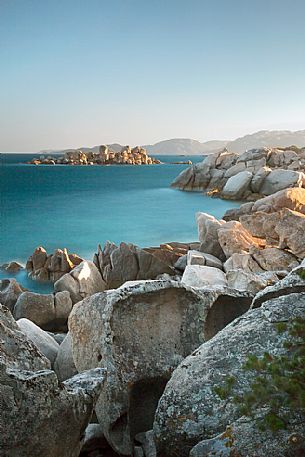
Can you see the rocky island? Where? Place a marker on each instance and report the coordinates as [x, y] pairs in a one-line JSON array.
[[105, 156], [126, 355]]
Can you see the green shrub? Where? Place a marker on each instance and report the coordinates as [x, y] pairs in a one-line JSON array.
[[278, 387]]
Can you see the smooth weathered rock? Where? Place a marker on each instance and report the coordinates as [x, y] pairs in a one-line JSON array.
[[293, 199], [181, 263], [291, 232], [140, 333], [202, 258], [38, 416], [58, 337], [290, 284], [147, 442], [237, 186], [244, 262], [47, 420], [259, 178], [95, 442], [208, 234], [16, 349], [234, 238], [128, 262], [200, 276], [251, 282], [38, 308], [44, 342], [84, 280], [189, 410], [262, 225], [62, 305], [64, 365], [281, 179], [10, 290], [242, 438], [48, 311], [273, 259]]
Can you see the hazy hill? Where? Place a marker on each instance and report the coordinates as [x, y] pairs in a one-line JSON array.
[[186, 146], [272, 138]]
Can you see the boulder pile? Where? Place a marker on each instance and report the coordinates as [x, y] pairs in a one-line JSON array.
[[105, 156], [251, 175]]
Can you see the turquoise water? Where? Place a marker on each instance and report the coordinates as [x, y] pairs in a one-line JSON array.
[[78, 207]]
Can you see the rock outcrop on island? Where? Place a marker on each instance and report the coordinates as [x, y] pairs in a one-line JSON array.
[[44, 267], [38, 415], [190, 411], [251, 175], [105, 156]]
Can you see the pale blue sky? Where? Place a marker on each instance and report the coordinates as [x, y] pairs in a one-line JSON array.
[[86, 72]]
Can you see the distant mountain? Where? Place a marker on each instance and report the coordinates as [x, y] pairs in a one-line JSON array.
[[274, 138], [186, 146]]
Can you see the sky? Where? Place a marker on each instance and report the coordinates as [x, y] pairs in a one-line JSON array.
[[84, 72]]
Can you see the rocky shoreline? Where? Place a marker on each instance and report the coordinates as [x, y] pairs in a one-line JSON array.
[[123, 358], [248, 176], [105, 156]]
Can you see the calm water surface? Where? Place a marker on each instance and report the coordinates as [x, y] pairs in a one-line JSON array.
[[78, 207]]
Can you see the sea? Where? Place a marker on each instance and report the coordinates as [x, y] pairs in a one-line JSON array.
[[79, 207]]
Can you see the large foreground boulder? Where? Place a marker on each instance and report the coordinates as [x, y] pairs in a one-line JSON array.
[[190, 410], [140, 333], [83, 281], [38, 416]]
